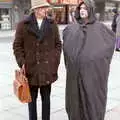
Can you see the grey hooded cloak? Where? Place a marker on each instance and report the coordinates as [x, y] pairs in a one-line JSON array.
[[88, 50]]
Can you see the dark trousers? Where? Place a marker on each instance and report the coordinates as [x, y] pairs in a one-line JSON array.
[[45, 97]]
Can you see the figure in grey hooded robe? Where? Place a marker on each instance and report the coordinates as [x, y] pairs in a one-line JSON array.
[[88, 50]]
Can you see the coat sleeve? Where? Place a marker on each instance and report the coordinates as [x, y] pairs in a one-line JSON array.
[[18, 45], [58, 44]]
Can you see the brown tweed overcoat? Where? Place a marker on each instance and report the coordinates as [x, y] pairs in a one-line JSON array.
[[38, 49]]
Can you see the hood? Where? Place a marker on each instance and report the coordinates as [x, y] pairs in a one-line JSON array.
[[91, 11]]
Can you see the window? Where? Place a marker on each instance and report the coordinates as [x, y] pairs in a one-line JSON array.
[[4, 19], [59, 12]]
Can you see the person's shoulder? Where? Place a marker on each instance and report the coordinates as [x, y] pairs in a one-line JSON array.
[[105, 29], [26, 20], [71, 26], [67, 28], [21, 26], [50, 20], [21, 23], [53, 24], [99, 24]]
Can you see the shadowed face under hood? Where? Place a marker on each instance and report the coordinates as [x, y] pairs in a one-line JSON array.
[[91, 11]]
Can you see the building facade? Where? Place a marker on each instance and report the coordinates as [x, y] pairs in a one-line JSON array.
[[109, 6], [11, 12], [63, 10], [6, 14], [20, 10]]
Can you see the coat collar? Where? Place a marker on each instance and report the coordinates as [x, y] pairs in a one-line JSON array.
[[32, 26], [32, 18]]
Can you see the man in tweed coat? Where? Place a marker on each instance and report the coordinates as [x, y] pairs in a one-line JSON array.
[[37, 48]]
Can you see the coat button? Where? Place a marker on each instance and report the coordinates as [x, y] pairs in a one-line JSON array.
[[46, 62], [37, 44], [48, 82], [37, 53], [38, 62]]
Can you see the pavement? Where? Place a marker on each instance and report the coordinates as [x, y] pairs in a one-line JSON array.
[[8, 33], [11, 108]]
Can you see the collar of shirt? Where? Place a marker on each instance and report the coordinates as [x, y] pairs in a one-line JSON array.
[[39, 21]]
